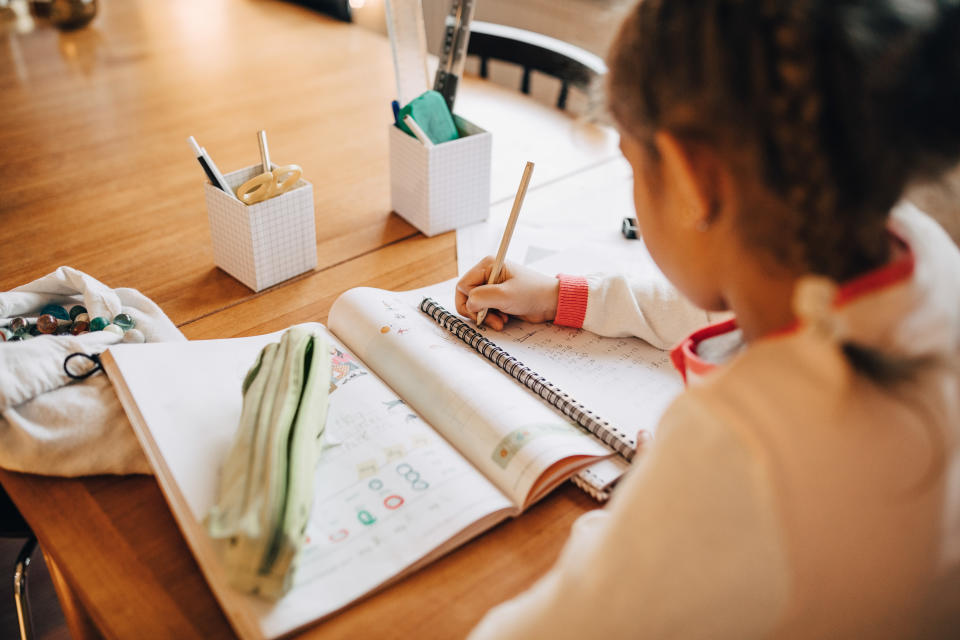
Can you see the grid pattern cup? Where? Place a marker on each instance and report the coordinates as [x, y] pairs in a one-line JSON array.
[[444, 187], [264, 243]]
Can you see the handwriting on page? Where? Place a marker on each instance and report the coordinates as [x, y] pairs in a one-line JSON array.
[[459, 393], [625, 380]]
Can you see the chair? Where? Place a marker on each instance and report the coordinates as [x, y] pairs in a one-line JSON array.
[[339, 9], [570, 64], [12, 525]]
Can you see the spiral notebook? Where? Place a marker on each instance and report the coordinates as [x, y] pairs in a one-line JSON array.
[[612, 436], [597, 480], [575, 372]]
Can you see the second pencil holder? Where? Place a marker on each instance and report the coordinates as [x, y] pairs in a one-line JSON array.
[[264, 243], [443, 187]]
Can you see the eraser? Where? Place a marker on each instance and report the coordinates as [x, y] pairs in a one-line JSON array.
[[430, 111]]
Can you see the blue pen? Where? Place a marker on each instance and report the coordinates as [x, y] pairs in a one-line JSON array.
[[396, 112]]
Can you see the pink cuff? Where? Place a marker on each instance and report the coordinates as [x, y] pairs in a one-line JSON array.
[[572, 301]]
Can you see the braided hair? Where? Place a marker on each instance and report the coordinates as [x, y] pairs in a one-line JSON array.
[[839, 104]]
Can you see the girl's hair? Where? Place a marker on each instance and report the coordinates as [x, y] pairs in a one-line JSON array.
[[840, 104], [837, 104]]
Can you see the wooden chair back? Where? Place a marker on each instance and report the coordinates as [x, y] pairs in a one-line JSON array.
[[573, 66]]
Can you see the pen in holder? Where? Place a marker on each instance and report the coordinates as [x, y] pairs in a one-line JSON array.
[[263, 243], [444, 186]]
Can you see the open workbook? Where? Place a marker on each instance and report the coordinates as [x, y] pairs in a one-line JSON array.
[[428, 444]]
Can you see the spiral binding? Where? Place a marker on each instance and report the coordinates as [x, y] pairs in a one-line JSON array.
[[608, 434], [597, 494]]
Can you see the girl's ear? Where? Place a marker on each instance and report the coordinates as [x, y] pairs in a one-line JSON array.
[[695, 172]]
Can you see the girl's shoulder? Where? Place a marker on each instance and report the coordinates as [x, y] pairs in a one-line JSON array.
[[910, 309]]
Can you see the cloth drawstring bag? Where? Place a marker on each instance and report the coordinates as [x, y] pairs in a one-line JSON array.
[[52, 424]]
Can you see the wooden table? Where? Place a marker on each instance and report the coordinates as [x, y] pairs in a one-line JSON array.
[[95, 173]]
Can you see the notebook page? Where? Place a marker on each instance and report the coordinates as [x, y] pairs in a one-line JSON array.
[[507, 433], [625, 380], [641, 381], [388, 489]]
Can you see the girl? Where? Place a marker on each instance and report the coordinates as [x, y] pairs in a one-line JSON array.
[[807, 483]]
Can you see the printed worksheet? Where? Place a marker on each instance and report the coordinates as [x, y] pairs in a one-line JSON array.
[[625, 381], [509, 434], [388, 492], [427, 443]]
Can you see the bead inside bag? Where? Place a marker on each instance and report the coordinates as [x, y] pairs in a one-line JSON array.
[[54, 319], [55, 310], [124, 321]]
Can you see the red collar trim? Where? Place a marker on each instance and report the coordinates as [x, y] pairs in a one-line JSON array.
[[690, 365], [684, 355], [890, 274]]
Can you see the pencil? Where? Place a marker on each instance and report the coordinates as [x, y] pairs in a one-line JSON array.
[[419, 133], [264, 151], [508, 234]]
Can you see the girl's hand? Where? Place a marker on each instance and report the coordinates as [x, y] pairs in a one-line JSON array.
[[522, 292]]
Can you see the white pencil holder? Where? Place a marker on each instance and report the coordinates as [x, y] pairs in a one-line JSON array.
[[443, 187], [264, 243]]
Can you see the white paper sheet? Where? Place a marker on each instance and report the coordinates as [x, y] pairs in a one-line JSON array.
[[582, 210], [388, 494], [478, 409]]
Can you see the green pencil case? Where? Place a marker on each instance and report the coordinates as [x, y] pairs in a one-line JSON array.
[[266, 486]]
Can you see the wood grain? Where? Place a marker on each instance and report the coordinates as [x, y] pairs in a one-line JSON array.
[[78, 621], [114, 535], [119, 547], [95, 173]]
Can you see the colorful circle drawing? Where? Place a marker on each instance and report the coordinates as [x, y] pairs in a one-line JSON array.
[[385, 329], [392, 502], [365, 517], [412, 476], [376, 484], [337, 536]]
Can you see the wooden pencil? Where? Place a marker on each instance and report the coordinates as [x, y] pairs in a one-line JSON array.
[[508, 233]]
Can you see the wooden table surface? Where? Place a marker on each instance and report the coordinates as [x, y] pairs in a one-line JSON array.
[[95, 173]]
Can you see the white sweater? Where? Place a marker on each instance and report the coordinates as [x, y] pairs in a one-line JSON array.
[[784, 495]]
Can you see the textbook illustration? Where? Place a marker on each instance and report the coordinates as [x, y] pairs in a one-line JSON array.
[[429, 443]]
